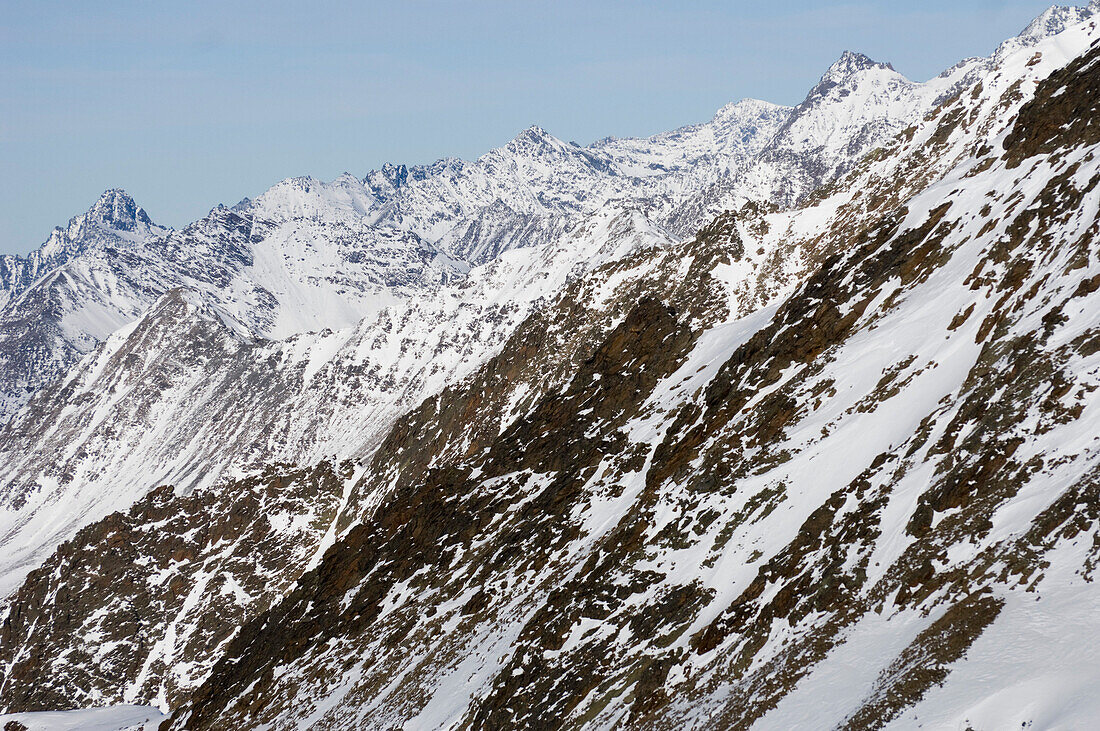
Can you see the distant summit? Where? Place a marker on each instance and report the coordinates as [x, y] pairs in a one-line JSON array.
[[116, 209], [851, 62], [845, 70]]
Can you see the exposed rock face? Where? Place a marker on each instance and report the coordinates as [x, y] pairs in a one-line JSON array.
[[186, 396], [136, 608], [1063, 109], [701, 526], [830, 465]]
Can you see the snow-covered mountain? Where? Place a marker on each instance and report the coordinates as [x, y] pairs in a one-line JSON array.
[[874, 504], [299, 258], [782, 419], [531, 189], [49, 318], [304, 278], [114, 218], [185, 396], [381, 230]]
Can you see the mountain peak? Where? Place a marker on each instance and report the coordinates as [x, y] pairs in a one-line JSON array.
[[850, 63], [1054, 20], [534, 135], [116, 209], [849, 66], [746, 107]]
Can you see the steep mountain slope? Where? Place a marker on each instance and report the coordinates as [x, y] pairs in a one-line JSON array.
[[301, 257], [562, 345], [826, 465], [226, 555], [185, 396], [841, 512], [309, 257], [42, 333]]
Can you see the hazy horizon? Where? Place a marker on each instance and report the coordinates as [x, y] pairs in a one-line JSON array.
[[188, 107]]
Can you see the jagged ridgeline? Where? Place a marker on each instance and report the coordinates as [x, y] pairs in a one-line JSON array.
[[300, 325], [830, 461]]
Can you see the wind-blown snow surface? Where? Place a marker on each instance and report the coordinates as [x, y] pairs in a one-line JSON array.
[[719, 520], [867, 506], [182, 397], [114, 718]]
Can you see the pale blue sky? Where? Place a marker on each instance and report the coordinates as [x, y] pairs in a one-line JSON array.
[[190, 104]]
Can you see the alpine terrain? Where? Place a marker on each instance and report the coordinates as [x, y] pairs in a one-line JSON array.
[[788, 419]]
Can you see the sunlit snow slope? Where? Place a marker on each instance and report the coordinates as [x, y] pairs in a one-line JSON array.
[[784, 420]]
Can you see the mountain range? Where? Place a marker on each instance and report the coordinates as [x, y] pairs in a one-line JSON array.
[[787, 419]]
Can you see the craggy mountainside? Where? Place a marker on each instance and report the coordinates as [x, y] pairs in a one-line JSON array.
[[133, 585], [542, 353], [181, 396], [833, 465], [876, 503], [300, 325], [308, 255]]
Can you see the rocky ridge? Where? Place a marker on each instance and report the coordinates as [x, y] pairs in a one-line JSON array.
[[702, 528], [615, 518], [182, 397], [302, 264]]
